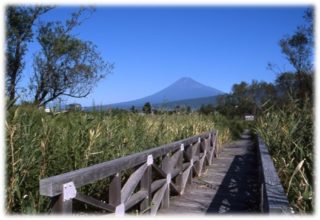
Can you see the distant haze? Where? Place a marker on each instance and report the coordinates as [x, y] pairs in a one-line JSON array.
[[183, 89]]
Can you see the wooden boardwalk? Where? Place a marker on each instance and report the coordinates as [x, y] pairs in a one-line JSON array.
[[189, 176], [230, 184]]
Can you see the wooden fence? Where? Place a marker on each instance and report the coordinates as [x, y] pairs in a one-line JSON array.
[[272, 196], [154, 176]]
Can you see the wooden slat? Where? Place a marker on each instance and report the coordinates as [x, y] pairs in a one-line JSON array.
[[195, 151], [135, 199], [157, 184], [115, 191], [190, 155], [183, 179], [94, 202], [159, 171], [201, 162], [185, 166], [132, 182], [174, 189], [52, 186], [157, 198], [165, 162], [172, 162], [274, 199], [60, 206], [166, 197], [146, 186]]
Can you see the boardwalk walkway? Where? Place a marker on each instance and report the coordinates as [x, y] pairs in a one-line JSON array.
[[230, 184]]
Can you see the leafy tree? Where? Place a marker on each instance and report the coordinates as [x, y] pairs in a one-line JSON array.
[[188, 110], [246, 98], [19, 23], [286, 83], [66, 65], [206, 109], [298, 49], [133, 109], [147, 108], [74, 107]]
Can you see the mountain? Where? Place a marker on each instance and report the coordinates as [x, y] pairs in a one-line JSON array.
[[183, 89], [193, 103]]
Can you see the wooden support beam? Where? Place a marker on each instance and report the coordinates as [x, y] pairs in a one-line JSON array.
[[132, 182], [136, 198], [145, 185], [115, 190], [157, 198], [159, 171], [94, 202], [166, 197], [183, 178], [60, 206], [172, 162]]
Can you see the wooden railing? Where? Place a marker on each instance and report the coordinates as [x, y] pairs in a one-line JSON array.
[[272, 196], [155, 174]]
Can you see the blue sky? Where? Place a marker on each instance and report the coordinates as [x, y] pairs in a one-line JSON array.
[[152, 47]]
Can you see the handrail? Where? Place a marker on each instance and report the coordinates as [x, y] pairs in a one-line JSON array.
[[179, 162], [272, 196]]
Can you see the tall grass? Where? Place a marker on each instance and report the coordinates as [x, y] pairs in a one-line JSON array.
[[288, 133], [40, 145]]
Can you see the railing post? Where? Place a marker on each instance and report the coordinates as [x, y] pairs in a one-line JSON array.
[[115, 190], [60, 206], [190, 153], [63, 202], [197, 150], [179, 179], [211, 148], [216, 147], [166, 197], [146, 181]]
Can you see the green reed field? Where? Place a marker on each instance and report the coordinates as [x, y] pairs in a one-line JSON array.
[[40, 145]]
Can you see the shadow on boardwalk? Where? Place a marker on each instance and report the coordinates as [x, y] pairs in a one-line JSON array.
[[238, 192]]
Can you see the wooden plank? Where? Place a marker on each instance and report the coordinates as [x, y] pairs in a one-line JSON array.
[[172, 162], [274, 198], [146, 186], [187, 205], [157, 184], [183, 179], [94, 202], [135, 199], [51, 186], [166, 197], [157, 198], [159, 171], [60, 206], [115, 191], [190, 156], [174, 188], [132, 182], [180, 210], [165, 162], [201, 164]]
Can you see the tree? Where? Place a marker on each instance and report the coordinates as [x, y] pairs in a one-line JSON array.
[[206, 109], [147, 108], [133, 109], [19, 23], [66, 65], [298, 49], [188, 110]]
